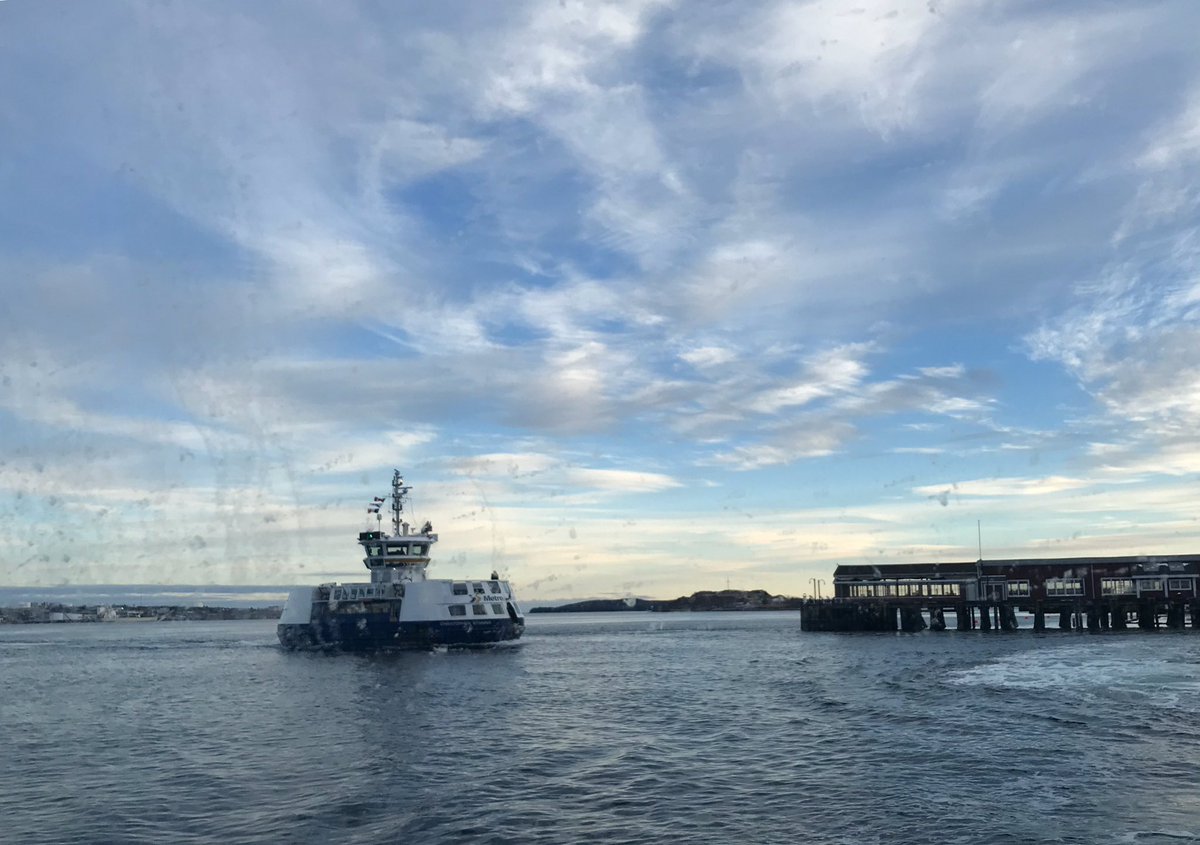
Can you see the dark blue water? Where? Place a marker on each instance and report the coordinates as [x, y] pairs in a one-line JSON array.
[[706, 728]]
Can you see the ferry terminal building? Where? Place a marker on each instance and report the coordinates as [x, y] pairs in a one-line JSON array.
[[1104, 591]]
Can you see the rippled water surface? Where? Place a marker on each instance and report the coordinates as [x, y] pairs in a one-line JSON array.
[[708, 728]]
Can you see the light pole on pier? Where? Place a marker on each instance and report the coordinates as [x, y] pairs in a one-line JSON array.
[[817, 583]]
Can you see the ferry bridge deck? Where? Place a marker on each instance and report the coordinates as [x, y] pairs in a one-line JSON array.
[[1093, 592]]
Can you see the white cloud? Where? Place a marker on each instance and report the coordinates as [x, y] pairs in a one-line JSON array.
[[1002, 487], [405, 150], [708, 356], [834, 372], [1177, 143], [620, 481]]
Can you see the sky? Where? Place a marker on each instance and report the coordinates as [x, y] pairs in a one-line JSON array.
[[642, 297]]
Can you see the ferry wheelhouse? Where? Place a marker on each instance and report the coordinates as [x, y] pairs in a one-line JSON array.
[[400, 607]]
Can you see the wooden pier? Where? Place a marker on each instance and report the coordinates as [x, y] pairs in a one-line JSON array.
[[1094, 594]]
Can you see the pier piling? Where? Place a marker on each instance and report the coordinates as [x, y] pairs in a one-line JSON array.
[[1175, 616]]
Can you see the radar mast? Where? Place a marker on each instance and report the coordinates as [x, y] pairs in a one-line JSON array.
[[399, 494]]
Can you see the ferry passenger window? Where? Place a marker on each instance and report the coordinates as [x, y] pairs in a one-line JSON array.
[[498, 610], [458, 610], [460, 589], [480, 609], [495, 585], [478, 587]]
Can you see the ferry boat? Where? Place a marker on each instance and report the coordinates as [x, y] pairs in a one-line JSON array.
[[400, 607]]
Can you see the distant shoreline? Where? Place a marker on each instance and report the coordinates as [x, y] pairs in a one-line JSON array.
[[738, 600], [53, 613]]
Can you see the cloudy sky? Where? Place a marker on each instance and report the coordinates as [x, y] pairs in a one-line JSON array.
[[643, 297]]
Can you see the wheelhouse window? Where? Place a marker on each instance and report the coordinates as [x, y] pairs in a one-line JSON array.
[[458, 610], [459, 588], [398, 548]]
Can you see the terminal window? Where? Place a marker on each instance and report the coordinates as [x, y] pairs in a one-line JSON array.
[[1116, 586], [1064, 586]]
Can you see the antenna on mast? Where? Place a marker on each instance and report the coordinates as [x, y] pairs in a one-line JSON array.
[[399, 491]]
